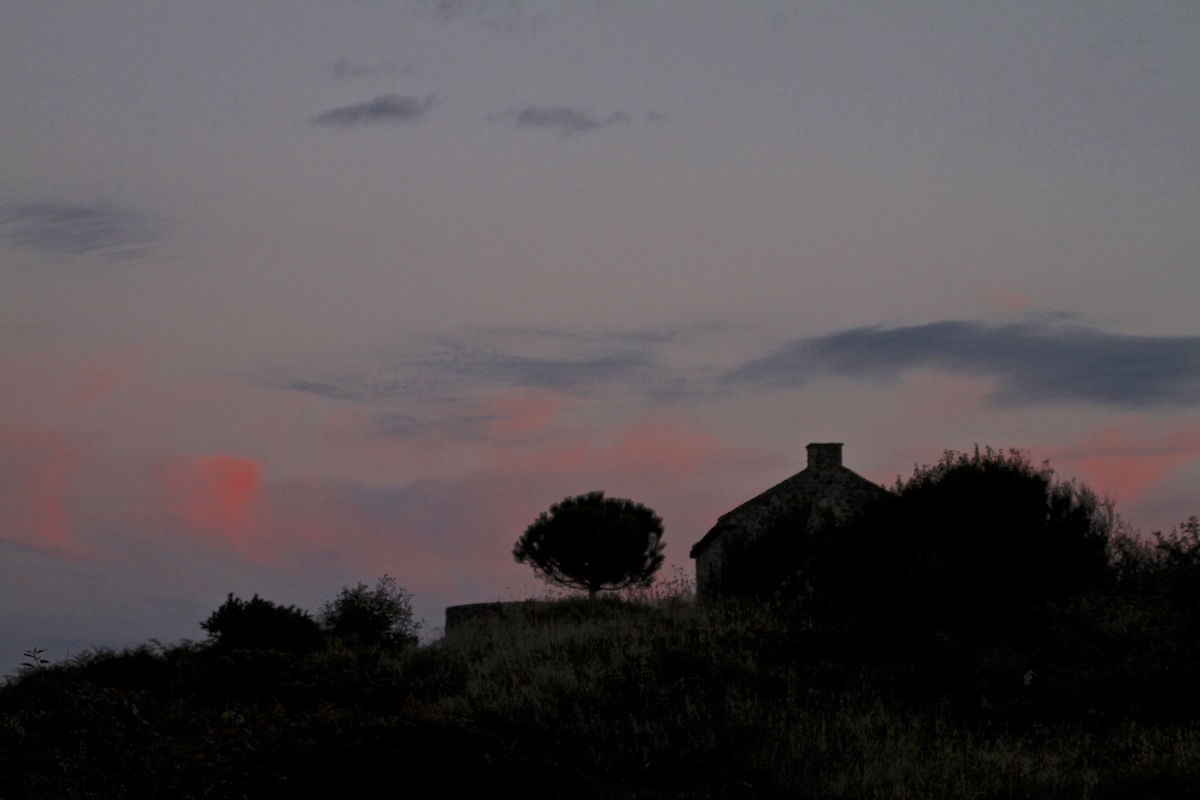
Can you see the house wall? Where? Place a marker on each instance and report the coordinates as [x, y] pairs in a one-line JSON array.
[[708, 568]]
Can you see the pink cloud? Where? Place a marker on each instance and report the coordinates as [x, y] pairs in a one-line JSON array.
[[94, 386], [1125, 465], [450, 535], [652, 452], [665, 451], [521, 414], [60, 381], [438, 508], [36, 471], [1009, 300], [224, 504], [214, 496], [444, 534]]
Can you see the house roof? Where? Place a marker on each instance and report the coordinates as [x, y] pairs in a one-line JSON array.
[[802, 489]]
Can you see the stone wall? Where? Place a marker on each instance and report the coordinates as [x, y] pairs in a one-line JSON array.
[[458, 616]]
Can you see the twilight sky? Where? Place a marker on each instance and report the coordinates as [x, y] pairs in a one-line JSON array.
[[294, 294]]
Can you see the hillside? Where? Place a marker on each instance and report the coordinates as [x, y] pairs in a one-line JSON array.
[[661, 698]]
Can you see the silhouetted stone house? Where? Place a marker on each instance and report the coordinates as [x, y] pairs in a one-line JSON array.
[[825, 492]]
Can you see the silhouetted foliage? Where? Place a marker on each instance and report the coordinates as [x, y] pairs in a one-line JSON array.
[[595, 543], [973, 544], [262, 625], [379, 616], [138, 668], [1165, 568], [1178, 557], [657, 698]]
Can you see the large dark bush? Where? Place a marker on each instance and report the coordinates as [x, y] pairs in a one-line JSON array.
[[262, 625], [1177, 556], [974, 544]]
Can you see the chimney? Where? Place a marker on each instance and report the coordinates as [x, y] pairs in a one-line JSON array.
[[824, 456]]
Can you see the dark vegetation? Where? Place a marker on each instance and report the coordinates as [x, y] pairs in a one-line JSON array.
[[595, 543], [863, 673], [258, 624], [372, 617]]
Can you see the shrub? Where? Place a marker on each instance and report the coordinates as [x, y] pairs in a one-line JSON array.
[[381, 616], [975, 544], [259, 624]]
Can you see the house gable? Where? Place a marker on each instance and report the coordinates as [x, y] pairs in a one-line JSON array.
[[824, 492]]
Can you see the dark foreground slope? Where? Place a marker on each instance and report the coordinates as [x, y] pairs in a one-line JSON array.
[[611, 699]]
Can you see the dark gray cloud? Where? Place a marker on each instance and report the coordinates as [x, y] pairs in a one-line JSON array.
[[99, 229], [388, 108], [500, 15], [334, 389], [548, 357], [454, 367], [434, 385], [542, 371], [563, 120], [459, 422], [365, 385], [445, 377], [1031, 362]]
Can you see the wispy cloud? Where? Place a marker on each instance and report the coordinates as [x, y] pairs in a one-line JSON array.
[[388, 108], [347, 68], [455, 367], [563, 120], [436, 383], [99, 229], [1031, 362], [564, 371], [500, 15], [459, 424]]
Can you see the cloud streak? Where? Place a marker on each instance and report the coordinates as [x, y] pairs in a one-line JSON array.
[[456, 365], [1031, 362], [563, 120], [99, 229], [500, 15], [385, 109]]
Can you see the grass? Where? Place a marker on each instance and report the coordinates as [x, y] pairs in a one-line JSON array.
[[654, 697]]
